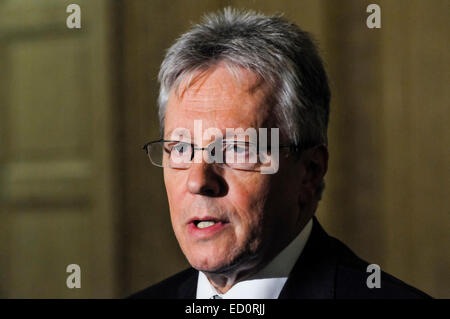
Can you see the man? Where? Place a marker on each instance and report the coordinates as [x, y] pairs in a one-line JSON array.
[[247, 227]]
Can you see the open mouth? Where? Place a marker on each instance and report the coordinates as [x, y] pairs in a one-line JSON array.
[[207, 225], [204, 223]]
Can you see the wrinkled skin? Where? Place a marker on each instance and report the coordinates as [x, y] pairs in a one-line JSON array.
[[262, 213]]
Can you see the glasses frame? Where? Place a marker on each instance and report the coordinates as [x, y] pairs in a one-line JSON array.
[[293, 148]]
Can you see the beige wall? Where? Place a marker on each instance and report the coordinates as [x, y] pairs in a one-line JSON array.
[[57, 189], [388, 174]]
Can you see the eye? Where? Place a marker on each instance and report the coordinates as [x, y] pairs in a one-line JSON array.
[[179, 148], [237, 148]]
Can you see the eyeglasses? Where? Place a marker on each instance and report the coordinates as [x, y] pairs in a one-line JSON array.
[[232, 154]]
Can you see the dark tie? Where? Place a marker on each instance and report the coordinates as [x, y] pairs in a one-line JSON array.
[[216, 297]]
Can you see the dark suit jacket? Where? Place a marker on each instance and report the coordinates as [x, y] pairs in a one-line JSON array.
[[326, 269]]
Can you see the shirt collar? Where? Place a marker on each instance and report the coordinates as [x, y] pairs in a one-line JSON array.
[[267, 283]]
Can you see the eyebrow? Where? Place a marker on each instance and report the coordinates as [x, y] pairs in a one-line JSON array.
[[166, 136], [223, 132]]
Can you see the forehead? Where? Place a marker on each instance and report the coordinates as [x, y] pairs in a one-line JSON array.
[[219, 99]]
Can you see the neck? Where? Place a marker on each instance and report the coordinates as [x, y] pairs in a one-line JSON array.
[[225, 280]]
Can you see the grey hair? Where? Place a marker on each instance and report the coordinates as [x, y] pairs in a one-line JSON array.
[[279, 52]]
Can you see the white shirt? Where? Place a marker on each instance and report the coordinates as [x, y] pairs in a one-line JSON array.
[[267, 283]]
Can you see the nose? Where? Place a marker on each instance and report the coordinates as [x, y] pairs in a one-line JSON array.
[[204, 180]]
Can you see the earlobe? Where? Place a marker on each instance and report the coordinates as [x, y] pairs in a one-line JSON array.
[[319, 161], [305, 193], [314, 167]]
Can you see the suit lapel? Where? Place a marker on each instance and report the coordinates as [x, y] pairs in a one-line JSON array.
[[313, 275], [188, 287]]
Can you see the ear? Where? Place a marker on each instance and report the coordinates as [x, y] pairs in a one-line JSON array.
[[314, 162]]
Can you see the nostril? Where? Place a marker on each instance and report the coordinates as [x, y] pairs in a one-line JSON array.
[[208, 192], [204, 180]]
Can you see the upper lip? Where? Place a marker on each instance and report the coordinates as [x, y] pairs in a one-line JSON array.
[[214, 219]]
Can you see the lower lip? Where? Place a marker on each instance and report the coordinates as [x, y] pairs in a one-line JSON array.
[[207, 231]]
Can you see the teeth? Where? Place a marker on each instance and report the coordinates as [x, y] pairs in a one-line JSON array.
[[204, 224]]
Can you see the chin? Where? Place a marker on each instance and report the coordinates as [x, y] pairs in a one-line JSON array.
[[207, 263], [218, 264]]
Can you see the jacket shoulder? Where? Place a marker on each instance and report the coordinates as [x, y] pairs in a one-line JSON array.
[[179, 286], [351, 279]]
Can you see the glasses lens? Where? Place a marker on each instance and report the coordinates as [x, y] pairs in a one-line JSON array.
[[170, 154], [177, 154], [155, 153], [241, 155]]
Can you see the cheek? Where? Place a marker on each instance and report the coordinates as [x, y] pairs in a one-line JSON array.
[[168, 183], [174, 191], [248, 196], [174, 183]]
